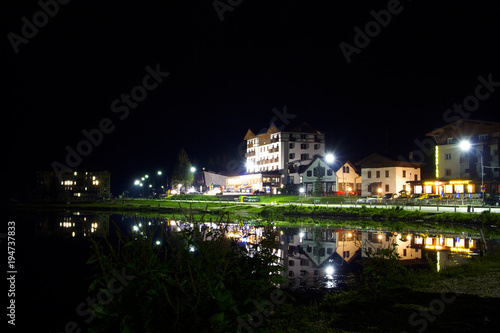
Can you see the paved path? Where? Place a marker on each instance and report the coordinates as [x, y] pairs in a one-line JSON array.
[[423, 208]]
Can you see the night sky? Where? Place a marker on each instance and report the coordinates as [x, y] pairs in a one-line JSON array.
[[226, 76]]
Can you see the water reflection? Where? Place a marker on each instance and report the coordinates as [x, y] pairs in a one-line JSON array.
[[74, 224], [313, 257]]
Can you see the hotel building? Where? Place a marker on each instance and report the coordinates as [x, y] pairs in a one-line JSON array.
[[275, 151], [460, 170]]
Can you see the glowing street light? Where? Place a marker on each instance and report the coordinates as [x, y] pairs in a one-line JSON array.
[[137, 182], [193, 169], [329, 270], [159, 173], [465, 145], [329, 158]]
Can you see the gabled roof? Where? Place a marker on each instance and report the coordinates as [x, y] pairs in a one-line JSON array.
[[379, 161], [314, 160], [350, 165], [249, 135], [273, 129], [464, 128], [303, 128]]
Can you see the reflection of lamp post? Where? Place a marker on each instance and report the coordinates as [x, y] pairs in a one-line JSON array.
[[465, 146]]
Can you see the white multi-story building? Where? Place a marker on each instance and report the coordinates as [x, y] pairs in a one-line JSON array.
[[382, 175], [277, 150]]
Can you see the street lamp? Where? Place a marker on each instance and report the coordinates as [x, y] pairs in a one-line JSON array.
[[193, 169], [330, 158], [465, 146]]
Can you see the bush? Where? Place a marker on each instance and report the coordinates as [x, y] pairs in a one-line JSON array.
[[197, 280]]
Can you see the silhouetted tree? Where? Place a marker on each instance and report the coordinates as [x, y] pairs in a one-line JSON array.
[[182, 173]]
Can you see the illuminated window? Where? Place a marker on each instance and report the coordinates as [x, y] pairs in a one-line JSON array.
[[448, 189]]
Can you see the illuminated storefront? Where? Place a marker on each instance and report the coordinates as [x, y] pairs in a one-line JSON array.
[[448, 188]]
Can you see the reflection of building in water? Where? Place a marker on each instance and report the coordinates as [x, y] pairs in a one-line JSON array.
[[375, 242], [312, 254], [448, 249], [78, 225]]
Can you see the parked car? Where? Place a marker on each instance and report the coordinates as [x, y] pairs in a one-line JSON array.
[[361, 200], [389, 196], [493, 200], [374, 199], [428, 198], [414, 198]]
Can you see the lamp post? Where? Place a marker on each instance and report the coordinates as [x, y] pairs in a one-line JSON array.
[[330, 158], [465, 146]]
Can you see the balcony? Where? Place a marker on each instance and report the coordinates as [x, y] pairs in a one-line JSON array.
[[274, 150], [250, 154], [268, 161]]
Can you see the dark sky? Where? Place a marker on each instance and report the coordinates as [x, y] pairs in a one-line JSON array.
[[228, 76]]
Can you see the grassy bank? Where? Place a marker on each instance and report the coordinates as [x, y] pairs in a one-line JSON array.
[[391, 214]]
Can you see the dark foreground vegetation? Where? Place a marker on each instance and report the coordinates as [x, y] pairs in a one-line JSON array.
[[184, 283]]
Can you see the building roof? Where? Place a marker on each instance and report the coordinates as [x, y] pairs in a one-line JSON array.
[[379, 161], [303, 128], [351, 165], [464, 128], [249, 135]]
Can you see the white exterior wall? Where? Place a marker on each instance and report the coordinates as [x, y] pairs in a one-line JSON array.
[[449, 159], [349, 177], [267, 157], [326, 178], [287, 148], [395, 179]]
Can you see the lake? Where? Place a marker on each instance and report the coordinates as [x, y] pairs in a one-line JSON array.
[[52, 248]]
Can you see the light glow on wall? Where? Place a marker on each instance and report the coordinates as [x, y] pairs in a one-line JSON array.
[[437, 162]]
